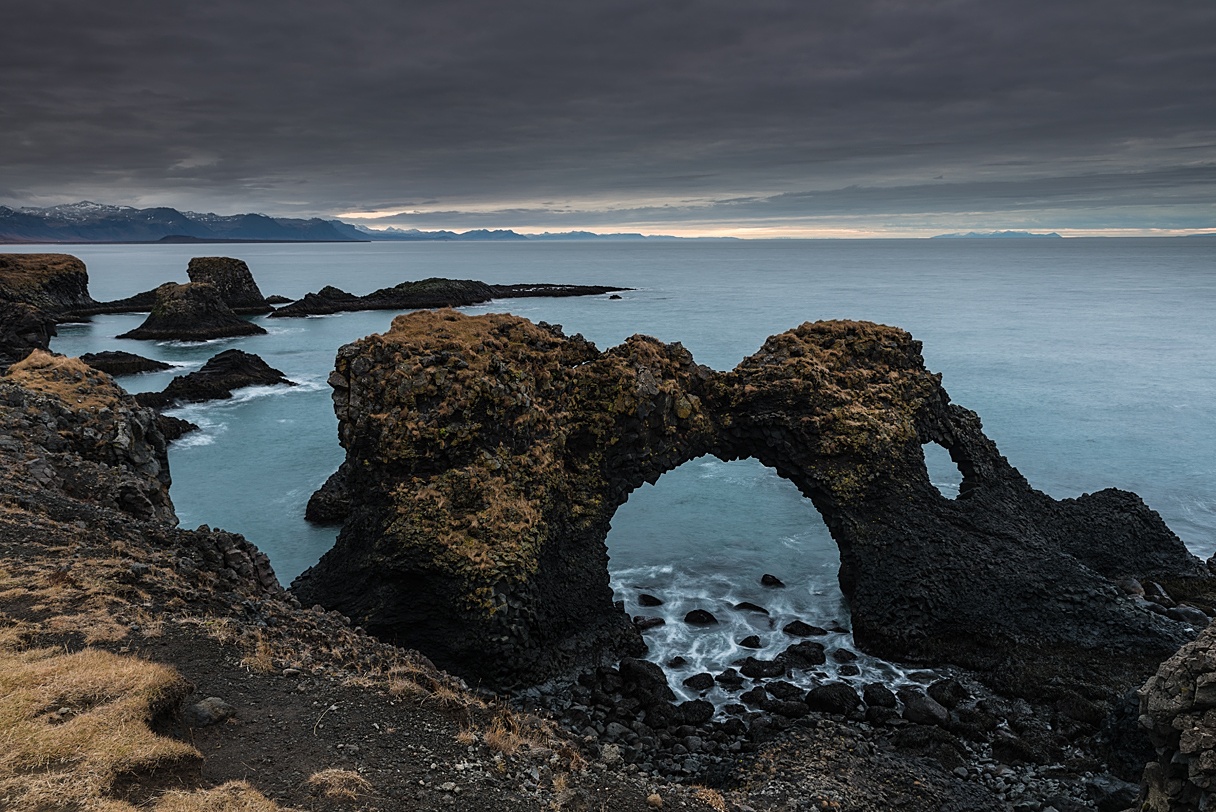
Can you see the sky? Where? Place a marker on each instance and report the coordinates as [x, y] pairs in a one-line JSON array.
[[695, 117]]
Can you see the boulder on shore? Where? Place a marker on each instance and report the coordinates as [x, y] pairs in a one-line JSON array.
[[191, 312], [117, 362], [223, 373], [232, 280]]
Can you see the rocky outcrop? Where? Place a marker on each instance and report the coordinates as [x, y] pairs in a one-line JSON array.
[[117, 362], [55, 283], [220, 376], [94, 442], [23, 329], [486, 456], [433, 292], [1178, 709], [232, 280], [191, 312]]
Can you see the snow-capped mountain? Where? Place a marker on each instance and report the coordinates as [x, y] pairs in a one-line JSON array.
[[97, 222]]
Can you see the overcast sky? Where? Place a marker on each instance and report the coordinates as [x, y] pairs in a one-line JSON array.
[[783, 117]]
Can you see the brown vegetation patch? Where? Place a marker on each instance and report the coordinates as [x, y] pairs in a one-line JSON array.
[[70, 380]]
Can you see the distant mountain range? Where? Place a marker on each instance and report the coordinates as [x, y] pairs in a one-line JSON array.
[[1015, 235], [87, 222]]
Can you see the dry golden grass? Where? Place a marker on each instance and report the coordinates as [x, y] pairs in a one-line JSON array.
[[503, 734], [338, 784], [70, 380], [711, 798], [72, 724], [234, 796]]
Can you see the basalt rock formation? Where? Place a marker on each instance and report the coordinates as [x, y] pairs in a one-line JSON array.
[[433, 292], [117, 362], [220, 376], [55, 283], [191, 312], [23, 329], [1178, 708], [486, 456], [232, 279]]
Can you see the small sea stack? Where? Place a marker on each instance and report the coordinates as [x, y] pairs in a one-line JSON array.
[[233, 281], [117, 362], [191, 312], [220, 376]]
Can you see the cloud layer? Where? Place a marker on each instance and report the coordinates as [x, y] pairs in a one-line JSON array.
[[876, 114]]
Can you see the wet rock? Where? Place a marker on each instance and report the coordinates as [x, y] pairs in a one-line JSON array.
[[191, 312], [751, 641], [755, 697], [278, 300], [921, 708], [758, 668], [843, 655], [784, 690], [771, 580], [848, 670], [217, 380], [1109, 794], [677, 662], [796, 628], [804, 654], [834, 697], [210, 711], [116, 362], [1188, 614], [644, 622], [700, 682], [748, 606], [878, 695], [700, 617], [645, 680], [648, 600], [232, 280], [730, 679], [174, 428]]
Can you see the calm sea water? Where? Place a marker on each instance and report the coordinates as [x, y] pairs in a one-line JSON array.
[[1091, 362]]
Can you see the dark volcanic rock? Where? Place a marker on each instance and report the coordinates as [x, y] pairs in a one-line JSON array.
[[117, 362], [922, 709], [805, 654], [426, 293], [193, 312], [700, 617], [278, 300], [23, 329], [834, 697], [223, 373], [771, 580], [232, 280], [649, 600], [55, 283], [486, 456], [751, 641], [174, 427], [796, 628], [748, 606], [700, 682], [330, 504]]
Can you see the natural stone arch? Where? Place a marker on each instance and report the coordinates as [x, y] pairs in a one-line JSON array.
[[486, 456]]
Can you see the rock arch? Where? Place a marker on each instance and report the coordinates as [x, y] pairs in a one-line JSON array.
[[486, 456]]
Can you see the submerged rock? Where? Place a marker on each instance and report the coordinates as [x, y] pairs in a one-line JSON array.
[[219, 377], [192, 312], [486, 456]]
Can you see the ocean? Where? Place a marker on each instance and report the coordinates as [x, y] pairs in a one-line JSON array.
[[1092, 363]]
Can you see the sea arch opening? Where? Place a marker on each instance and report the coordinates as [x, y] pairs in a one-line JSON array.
[[703, 536]]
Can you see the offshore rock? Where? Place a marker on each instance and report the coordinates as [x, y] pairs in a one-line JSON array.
[[191, 312], [55, 283], [117, 362], [232, 280], [433, 292], [223, 373], [486, 457]]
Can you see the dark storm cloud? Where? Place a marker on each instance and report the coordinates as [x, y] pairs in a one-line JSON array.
[[782, 109]]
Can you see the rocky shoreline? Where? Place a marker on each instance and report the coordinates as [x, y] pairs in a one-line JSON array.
[[268, 703]]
